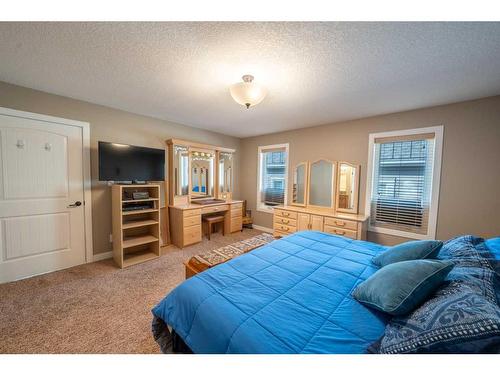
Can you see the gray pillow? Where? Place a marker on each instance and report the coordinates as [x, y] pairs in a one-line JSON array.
[[410, 250], [399, 288]]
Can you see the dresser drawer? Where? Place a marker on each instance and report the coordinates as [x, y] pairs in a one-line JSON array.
[[192, 220], [236, 224], [192, 235], [341, 223], [236, 206], [285, 220], [194, 212], [284, 228], [287, 214], [212, 209], [341, 232], [236, 212]]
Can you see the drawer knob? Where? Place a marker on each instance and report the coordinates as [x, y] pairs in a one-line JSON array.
[[340, 223], [341, 232]]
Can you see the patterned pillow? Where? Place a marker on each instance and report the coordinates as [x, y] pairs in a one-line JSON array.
[[463, 247], [463, 316]]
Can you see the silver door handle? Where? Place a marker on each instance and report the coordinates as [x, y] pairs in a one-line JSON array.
[[76, 204]]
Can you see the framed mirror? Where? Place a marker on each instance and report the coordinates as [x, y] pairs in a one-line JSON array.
[[347, 187], [299, 186], [225, 174], [181, 170], [202, 174], [321, 184]]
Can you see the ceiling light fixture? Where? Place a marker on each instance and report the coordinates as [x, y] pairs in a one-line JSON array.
[[248, 93]]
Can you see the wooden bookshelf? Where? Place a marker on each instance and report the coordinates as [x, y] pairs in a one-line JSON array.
[[136, 233]]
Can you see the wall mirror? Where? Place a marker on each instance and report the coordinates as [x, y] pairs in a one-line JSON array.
[[202, 176], [225, 174], [299, 185], [347, 187], [181, 170], [321, 183]]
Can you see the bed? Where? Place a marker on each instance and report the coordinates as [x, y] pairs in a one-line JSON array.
[[293, 295], [290, 296]]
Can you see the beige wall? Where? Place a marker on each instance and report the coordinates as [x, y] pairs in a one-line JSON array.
[[107, 124], [470, 176]]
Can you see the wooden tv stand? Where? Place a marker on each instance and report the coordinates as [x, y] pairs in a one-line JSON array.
[[136, 233]]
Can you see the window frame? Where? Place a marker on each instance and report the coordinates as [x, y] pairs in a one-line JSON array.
[[260, 205], [435, 184]]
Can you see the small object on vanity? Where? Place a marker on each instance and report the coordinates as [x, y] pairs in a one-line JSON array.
[[211, 221], [207, 201]]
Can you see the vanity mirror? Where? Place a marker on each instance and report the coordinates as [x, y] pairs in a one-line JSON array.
[[225, 174], [347, 187], [321, 184], [299, 187], [202, 173], [181, 170]]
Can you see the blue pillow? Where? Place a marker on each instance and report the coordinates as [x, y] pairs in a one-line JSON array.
[[463, 316], [493, 245], [410, 250], [400, 287]]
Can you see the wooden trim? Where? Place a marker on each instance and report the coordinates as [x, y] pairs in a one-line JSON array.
[[357, 180], [404, 138], [306, 184], [102, 256], [263, 229], [182, 142]]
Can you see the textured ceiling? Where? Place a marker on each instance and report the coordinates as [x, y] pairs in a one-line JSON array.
[[316, 73]]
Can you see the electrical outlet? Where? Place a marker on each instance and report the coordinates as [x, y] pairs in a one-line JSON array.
[[110, 238]]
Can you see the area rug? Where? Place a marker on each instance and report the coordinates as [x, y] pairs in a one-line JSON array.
[[212, 258]]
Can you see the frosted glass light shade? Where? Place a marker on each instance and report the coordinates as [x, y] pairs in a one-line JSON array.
[[248, 93]]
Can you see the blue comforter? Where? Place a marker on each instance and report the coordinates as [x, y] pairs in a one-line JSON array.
[[290, 296]]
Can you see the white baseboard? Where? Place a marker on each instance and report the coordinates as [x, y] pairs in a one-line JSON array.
[[264, 229], [102, 256]]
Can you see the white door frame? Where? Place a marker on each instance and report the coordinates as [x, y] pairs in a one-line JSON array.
[[87, 203]]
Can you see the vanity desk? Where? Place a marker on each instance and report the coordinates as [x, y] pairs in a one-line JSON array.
[[324, 198], [200, 183], [185, 220]]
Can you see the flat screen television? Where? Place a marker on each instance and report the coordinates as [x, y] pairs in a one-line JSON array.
[[118, 162]]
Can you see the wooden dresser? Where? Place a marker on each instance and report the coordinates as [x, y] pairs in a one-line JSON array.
[[290, 219], [185, 220]]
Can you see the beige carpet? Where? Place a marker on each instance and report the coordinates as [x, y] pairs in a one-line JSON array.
[[96, 307]]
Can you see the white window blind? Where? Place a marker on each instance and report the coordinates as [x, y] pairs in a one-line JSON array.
[[272, 176], [402, 183]]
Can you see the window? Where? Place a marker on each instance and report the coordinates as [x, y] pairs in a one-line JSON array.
[[403, 182], [273, 176]]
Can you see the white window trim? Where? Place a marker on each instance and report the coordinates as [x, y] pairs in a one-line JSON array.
[[436, 177], [261, 206]]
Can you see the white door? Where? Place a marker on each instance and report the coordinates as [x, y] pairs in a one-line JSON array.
[[42, 226]]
